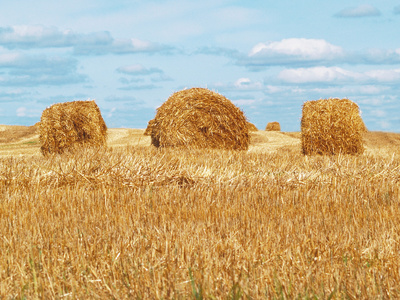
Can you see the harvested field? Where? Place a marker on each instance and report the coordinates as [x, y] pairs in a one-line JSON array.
[[10, 134], [134, 221], [22, 140]]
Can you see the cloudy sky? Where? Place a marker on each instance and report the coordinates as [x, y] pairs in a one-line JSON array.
[[268, 57]]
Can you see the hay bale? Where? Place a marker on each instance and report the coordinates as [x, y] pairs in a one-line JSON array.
[[200, 118], [363, 127], [273, 126], [70, 124], [149, 127], [331, 126], [251, 127]]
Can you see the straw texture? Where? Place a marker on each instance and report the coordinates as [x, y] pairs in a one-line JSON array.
[[331, 126], [273, 126], [200, 118], [251, 127], [149, 127], [70, 124]]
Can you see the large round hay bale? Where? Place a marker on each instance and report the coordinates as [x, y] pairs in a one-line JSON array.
[[331, 126], [70, 124], [273, 126], [364, 128], [200, 118]]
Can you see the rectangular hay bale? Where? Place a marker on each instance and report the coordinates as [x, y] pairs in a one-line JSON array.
[[273, 126], [70, 124], [331, 126]]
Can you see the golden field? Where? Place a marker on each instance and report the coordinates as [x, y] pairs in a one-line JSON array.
[[133, 221]]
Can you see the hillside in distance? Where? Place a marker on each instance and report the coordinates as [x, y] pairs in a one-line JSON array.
[[24, 140]]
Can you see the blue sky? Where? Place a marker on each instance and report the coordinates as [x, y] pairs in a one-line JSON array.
[[268, 57]]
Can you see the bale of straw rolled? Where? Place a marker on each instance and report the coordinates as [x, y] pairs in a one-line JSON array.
[[363, 127], [273, 126], [251, 127], [331, 126], [200, 118], [68, 125], [149, 127]]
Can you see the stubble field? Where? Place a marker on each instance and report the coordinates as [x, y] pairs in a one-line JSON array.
[[131, 221]]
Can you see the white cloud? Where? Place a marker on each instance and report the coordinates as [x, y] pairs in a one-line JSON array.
[[294, 52], [364, 10], [161, 78], [241, 82], [36, 36], [378, 113], [140, 45], [384, 75], [375, 101], [110, 113], [384, 124], [301, 52], [346, 91], [8, 58], [372, 89], [377, 56], [309, 49], [119, 46], [138, 74], [317, 74], [336, 74], [240, 85], [31, 70], [94, 43], [21, 111], [244, 102], [138, 69], [271, 89], [27, 112]]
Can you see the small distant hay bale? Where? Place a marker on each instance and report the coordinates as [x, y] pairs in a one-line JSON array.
[[200, 118], [149, 127], [68, 125], [273, 126], [331, 126], [251, 127]]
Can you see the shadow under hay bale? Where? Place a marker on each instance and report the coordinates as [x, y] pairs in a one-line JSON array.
[[71, 124], [273, 126], [200, 118], [331, 126], [251, 127]]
